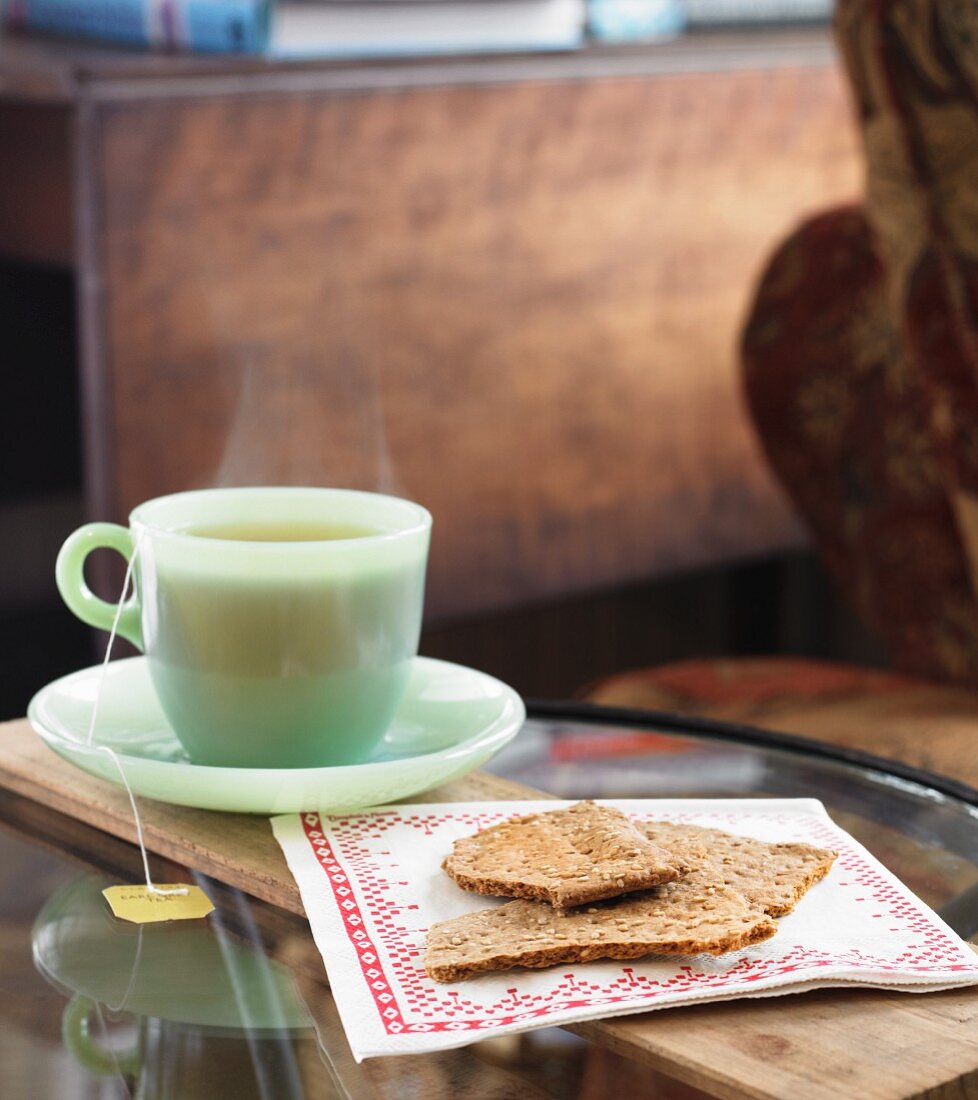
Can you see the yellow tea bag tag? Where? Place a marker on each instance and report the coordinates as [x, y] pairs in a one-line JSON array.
[[141, 905]]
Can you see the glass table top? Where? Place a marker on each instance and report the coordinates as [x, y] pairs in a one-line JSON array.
[[238, 1006]]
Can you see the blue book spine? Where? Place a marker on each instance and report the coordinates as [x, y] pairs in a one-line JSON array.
[[209, 26]]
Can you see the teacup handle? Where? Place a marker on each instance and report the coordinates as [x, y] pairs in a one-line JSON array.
[[77, 1037], [69, 572]]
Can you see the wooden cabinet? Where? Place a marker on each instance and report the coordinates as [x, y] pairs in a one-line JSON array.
[[509, 288]]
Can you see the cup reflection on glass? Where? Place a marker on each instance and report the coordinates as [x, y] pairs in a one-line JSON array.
[[182, 1010]]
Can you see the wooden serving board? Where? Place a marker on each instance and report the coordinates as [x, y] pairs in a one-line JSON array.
[[869, 1044]]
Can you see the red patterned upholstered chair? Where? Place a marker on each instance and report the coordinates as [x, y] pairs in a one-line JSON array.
[[860, 359]]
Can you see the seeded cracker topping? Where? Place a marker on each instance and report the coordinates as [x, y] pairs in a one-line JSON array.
[[566, 858], [725, 900]]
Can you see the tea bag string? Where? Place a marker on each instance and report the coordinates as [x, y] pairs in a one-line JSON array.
[[127, 582], [123, 1004]]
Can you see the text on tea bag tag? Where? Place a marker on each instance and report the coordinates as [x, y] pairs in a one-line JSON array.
[[143, 903]]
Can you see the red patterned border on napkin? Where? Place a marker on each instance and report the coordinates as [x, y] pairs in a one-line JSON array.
[[407, 1001]]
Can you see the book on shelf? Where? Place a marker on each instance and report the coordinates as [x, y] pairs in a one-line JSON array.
[[634, 20], [707, 14], [238, 26], [388, 28], [323, 29]]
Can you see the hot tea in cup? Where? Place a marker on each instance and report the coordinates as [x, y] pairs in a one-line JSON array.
[[279, 624]]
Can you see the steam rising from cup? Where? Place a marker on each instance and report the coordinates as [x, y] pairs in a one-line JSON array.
[[297, 421]]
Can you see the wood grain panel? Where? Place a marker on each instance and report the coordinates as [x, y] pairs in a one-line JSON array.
[[236, 849], [866, 1043], [514, 303]]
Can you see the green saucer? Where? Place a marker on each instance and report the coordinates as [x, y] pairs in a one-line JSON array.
[[451, 721]]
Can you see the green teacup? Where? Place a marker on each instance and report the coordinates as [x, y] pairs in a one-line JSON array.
[[279, 624]]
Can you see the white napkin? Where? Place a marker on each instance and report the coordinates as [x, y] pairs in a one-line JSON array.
[[372, 883]]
